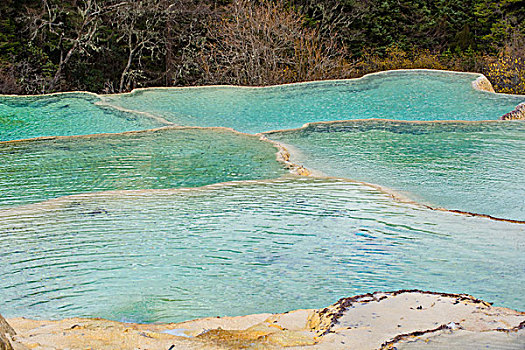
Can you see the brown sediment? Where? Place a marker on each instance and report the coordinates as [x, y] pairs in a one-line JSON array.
[[390, 344], [367, 321], [325, 319], [405, 313], [513, 329], [468, 213]]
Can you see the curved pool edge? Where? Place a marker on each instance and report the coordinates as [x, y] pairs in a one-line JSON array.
[[131, 111], [478, 76], [282, 155], [398, 197], [379, 320], [395, 195]]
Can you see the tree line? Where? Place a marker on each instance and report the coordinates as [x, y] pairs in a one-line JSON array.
[[117, 45]]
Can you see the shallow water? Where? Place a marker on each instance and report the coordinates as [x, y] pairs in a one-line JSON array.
[[475, 167], [415, 95], [244, 248], [63, 115], [33, 171]]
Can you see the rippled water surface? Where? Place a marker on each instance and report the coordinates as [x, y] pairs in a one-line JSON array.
[[62, 115], [476, 167], [33, 171], [257, 246], [414, 95], [241, 249]]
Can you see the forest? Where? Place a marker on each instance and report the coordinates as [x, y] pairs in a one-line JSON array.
[[109, 46]]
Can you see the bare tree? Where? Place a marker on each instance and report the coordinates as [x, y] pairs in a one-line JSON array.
[[186, 34], [140, 23], [77, 36], [261, 43]]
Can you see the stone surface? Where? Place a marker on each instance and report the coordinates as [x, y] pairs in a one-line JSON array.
[[517, 114], [382, 320]]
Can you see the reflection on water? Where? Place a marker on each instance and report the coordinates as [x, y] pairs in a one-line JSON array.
[[241, 249]]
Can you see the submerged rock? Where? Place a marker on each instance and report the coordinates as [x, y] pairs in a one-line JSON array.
[[383, 320]]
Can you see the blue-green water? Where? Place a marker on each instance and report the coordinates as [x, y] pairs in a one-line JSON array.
[[476, 167], [64, 115], [34, 171], [245, 248], [417, 95], [257, 246]]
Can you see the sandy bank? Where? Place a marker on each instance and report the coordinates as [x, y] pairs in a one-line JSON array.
[[383, 320]]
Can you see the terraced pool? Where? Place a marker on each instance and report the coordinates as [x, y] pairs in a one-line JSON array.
[[156, 222]]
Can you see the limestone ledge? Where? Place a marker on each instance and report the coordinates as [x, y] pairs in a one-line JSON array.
[[482, 83], [408, 319]]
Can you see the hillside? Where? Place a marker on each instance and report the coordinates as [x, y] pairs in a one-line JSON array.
[[117, 45]]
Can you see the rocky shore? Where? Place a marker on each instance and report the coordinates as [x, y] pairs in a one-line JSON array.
[[406, 319]]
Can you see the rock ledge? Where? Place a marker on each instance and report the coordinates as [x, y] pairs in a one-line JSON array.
[[382, 320]]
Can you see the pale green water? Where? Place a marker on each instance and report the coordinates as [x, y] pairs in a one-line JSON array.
[[34, 171], [415, 95], [250, 247], [246, 248], [63, 115], [470, 167]]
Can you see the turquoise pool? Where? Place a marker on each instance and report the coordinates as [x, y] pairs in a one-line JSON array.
[[473, 167], [414, 95], [244, 248], [23, 117], [36, 170], [115, 212]]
